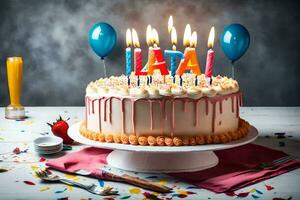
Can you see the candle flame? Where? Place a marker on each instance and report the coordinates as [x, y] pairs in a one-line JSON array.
[[128, 38], [187, 35], [155, 36], [194, 39], [211, 38], [135, 39], [170, 24], [149, 37], [173, 36]]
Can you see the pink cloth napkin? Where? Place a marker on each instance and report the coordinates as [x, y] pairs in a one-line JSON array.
[[229, 175]]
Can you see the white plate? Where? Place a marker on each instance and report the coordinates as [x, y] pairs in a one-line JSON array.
[[48, 142], [43, 152], [74, 133]]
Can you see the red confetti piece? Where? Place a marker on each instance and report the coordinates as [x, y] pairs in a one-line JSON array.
[[42, 159], [231, 194], [182, 196], [146, 194], [189, 192], [243, 194], [269, 187], [29, 182], [278, 198], [17, 150]]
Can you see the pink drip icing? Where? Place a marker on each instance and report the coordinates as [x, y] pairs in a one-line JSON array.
[[151, 114], [100, 115], [93, 106], [213, 116], [220, 105], [173, 118], [123, 115], [110, 109], [86, 117], [196, 112], [88, 107], [206, 105], [161, 115], [133, 115], [237, 106], [105, 101], [232, 103]]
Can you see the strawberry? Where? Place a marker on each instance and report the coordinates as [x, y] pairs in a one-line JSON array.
[[60, 129]]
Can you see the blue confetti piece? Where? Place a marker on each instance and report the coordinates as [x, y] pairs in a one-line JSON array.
[[259, 192], [151, 177], [125, 197], [64, 198], [101, 182], [254, 196], [192, 187], [60, 191]]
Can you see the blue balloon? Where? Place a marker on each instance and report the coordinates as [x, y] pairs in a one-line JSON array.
[[235, 41], [102, 39]]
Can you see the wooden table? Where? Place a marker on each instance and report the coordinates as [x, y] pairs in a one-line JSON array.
[[19, 182]]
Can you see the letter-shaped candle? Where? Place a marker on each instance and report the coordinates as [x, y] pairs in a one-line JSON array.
[[210, 53], [190, 61], [156, 59], [137, 54]]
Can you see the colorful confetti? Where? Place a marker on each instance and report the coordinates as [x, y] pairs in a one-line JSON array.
[[18, 151], [67, 148], [42, 159], [125, 197], [269, 187], [134, 191], [63, 198], [151, 177], [231, 194], [29, 182], [60, 191], [43, 189], [101, 182], [70, 188], [243, 194], [254, 196]]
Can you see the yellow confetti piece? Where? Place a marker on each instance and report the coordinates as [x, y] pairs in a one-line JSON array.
[[28, 122], [163, 182], [134, 191], [70, 176], [70, 188], [44, 189], [181, 192], [34, 167], [253, 190], [155, 194]]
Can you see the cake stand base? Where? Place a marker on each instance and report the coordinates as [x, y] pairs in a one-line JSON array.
[[162, 162]]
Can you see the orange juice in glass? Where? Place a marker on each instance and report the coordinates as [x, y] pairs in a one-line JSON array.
[[14, 76]]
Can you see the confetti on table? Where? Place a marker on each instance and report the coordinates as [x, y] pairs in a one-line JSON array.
[[70, 188], [3, 170], [71, 176], [42, 159], [67, 148], [43, 189], [60, 191], [101, 182], [63, 198], [29, 182], [192, 187], [151, 177], [134, 191], [18, 151], [163, 182], [254, 196], [125, 197], [231, 194], [269, 187], [243, 194]]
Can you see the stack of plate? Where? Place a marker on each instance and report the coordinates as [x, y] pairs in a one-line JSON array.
[[48, 145]]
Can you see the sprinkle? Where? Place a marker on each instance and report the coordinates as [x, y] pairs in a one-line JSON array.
[[259, 192], [43, 189], [60, 191], [101, 182], [42, 159], [134, 191], [125, 197], [269, 187], [18, 151], [34, 167], [243, 194], [70, 188], [3, 170], [252, 190], [29, 182], [179, 195], [151, 177], [231, 194], [254, 196], [163, 182], [63, 198], [192, 187]]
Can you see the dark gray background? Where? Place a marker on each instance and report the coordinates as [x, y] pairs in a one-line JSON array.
[[51, 36]]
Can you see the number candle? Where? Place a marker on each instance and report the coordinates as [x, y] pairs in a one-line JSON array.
[[128, 52], [210, 53]]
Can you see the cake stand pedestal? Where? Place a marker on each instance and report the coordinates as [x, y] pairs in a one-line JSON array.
[[157, 159]]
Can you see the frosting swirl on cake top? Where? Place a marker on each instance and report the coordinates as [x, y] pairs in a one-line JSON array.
[[118, 86]]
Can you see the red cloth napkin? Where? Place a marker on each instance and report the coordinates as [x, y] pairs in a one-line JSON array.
[[229, 175]]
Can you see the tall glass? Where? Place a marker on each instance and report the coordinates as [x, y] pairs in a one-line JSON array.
[[14, 76]]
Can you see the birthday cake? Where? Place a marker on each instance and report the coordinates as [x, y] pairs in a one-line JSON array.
[[163, 112]]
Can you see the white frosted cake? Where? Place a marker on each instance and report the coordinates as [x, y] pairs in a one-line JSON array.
[[162, 112]]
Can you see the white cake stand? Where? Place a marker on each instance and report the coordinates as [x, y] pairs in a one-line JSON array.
[[157, 159]]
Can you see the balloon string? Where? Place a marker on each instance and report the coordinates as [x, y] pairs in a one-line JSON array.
[[232, 70], [104, 67]]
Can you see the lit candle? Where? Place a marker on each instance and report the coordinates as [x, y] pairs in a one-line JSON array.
[[210, 53], [137, 55], [173, 53], [190, 61], [128, 52], [156, 59]]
